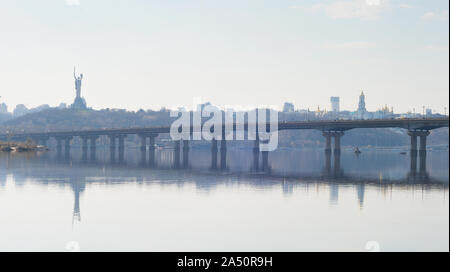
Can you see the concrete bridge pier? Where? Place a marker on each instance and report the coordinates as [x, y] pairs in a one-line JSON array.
[[214, 152], [423, 153], [59, 146], [143, 138], [423, 141], [143, 148], [265, 160], [93, 147], [327, 169], [413, 148], [67, 146], [223, 154], [151, 150], [337, 164], [185, 154], [84, 147], [112, 148], [176, 154], [327, 135], [256, 155], [413, 163], [121, 147], [336, 152], [337, 141], [143, 160], [422, 134], [423, 165]]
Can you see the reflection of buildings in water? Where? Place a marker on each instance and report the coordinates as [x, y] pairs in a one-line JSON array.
[[334, 193], [47, 165], [288, 187], [78, 187], [360, 189]]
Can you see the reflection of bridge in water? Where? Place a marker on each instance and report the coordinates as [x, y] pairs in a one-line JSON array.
[[260, 173], [417, 128], [49, 168]]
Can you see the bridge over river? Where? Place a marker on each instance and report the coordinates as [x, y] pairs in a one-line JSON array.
[[417, 128]]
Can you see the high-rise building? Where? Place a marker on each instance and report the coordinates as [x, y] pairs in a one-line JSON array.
[[334, 103], [362, 103], [362, 106], [3, 108], [288, 107]]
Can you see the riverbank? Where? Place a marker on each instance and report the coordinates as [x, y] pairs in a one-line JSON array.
[[20, 147]]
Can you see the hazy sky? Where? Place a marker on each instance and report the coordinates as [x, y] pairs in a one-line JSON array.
[[147, 54]]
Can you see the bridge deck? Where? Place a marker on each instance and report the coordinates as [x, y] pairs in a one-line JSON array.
[[323, 125]]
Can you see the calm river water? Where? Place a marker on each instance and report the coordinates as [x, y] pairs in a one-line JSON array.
[[304, 201]]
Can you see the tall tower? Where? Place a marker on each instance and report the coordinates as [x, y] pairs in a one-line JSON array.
[[334, 103], [362, 105]]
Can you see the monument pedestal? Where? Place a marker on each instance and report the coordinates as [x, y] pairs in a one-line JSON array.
[[79, 103]]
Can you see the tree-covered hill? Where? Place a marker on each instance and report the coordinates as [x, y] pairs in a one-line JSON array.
[[68, 119], [55, 119]]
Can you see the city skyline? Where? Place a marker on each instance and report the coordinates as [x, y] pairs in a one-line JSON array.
[[153, 55]]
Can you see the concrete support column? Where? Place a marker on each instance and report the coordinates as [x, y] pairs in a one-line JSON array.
[[265, 160], [122, 141], [423, 153], [67, 147], [337, 141], [413, 135], [328, 162], [337, 164], [413, 153], [121, 147], [327, 136], [185, 153], [413, 165], [67, 144], [59, 145], [84, 143], [423, 140], [151, 150], [214, 152], [176, 154], [143, 141], [112, 142], [423, 164], [84, 147], [143, 148], [256, 155], [112, 147], [223, 154], [93, 148]]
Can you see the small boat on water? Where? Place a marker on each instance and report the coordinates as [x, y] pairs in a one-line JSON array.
[[403, 153], [7, 149], [357, 151]]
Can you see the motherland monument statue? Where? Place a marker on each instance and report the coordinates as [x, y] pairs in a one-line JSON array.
[[79, 102]]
